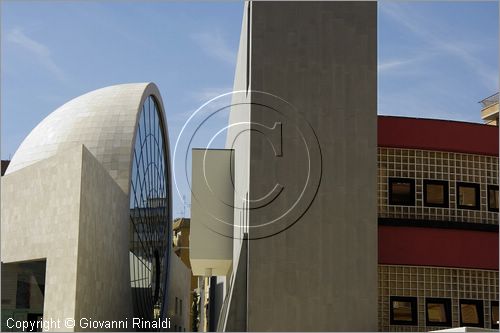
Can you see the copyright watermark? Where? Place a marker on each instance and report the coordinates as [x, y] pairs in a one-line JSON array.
[[277, 161], [86, 323], [34, 326]]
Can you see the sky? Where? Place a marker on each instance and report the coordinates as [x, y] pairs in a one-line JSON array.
[[435, 59]]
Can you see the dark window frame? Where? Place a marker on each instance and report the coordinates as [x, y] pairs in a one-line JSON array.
[[479, 308], [446, 193], [447, 307], [477, 187], [414, 310], [410, 181], [492, 304], [494, 188]]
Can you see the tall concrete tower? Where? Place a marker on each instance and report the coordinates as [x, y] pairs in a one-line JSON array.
[[302, 157]]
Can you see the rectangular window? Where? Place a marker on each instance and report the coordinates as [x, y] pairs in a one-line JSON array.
[[438, 311], [180, 307], [471, 313], [494, 314], [435, 193], [402, 191], [468, 196], [176, 305], [493, 198], [403, 310]]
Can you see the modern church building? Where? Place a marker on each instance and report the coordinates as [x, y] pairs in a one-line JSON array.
[[318, 215], [86, 212], [321, 216]]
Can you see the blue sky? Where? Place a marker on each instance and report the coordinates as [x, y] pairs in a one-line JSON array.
[[436, 59]]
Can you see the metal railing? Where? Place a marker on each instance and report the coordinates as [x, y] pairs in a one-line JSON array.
[[490, 100]]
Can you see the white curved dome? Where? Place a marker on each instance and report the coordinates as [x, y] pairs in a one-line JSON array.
[[104, 120]]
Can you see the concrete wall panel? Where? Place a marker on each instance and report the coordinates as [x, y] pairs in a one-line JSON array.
[[69, 210], [320, 274], [179, 289], [211, 245], [103, 276], [40, 218]]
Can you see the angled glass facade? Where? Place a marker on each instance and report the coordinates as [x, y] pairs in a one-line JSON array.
[[149, 213]]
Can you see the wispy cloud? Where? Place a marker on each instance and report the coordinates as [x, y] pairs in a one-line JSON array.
[[206, 94], [400, 63], [214, 44], [40, 51], [199, 97], [419, 27]]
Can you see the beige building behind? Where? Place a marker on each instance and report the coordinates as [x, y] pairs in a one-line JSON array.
[[489, 112]]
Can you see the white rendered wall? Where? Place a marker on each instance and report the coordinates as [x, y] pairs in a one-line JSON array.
[[233, 309], [238, 139], [211, 213], [179, 286]]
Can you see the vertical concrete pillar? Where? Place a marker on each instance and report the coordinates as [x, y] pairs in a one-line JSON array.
[[312, 177]]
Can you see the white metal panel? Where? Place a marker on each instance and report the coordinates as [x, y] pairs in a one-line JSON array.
[[211, 242]]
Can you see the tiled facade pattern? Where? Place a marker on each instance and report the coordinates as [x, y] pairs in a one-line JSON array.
[[435, 165], [423, 282], [438, 282]]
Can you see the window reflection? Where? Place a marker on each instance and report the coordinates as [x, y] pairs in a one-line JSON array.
[[149, 213], [403, 310], [471, 313], [435, 193], [438, 311], [493, 197], [468, 195], [494, 314], [401, 191]]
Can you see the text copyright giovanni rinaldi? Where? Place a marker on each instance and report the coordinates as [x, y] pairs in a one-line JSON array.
[[85, 323]]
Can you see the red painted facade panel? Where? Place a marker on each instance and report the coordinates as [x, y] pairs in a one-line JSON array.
[[441, 135], [437, 247]]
